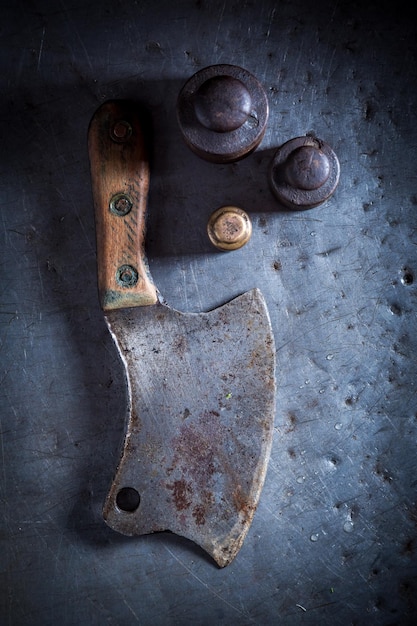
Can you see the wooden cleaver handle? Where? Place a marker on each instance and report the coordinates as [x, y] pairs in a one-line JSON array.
[[120, 182]]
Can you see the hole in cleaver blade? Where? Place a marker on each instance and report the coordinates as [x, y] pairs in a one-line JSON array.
[[202, 401]]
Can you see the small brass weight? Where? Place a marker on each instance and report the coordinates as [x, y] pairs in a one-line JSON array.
[[229, 228]]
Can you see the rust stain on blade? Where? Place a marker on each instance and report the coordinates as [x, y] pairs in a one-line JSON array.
[[202, 401]]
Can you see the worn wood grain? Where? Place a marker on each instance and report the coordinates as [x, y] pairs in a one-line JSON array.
[[120, 182]]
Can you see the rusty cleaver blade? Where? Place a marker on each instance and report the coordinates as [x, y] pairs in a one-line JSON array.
[[201, 387]]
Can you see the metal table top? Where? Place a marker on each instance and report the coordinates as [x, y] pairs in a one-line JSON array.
[[334, 539]]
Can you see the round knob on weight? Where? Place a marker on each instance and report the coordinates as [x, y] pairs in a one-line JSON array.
[[304, 172], [307, 168], [222, 112], [222, 104]]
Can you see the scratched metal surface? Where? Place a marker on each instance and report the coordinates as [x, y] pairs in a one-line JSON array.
[[198, 476], [334, 539]]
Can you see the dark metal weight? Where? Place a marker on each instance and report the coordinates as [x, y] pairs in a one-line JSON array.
[[304, 173], [222, 112]]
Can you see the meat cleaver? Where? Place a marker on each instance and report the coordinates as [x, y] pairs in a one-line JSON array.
[[201, 387]]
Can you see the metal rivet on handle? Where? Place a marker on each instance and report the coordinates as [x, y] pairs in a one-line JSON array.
[[121, 131], [120, 204], [304, 172], [127, 276]]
